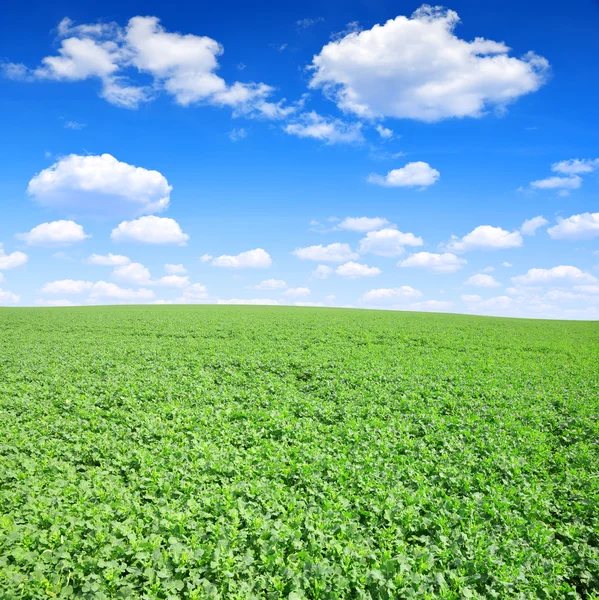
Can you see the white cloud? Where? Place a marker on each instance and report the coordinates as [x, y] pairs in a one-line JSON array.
[[55, 233], [175, 269], [492, 305], [137, 274], [330, 131], [437, 263], [132, 273], [321, 272], [312, 304], [109, 260], [58, 302], [530, 226], [384, 132], [575, 166], [75, 125], [183, 66], [251, 259], [67, 286], [432, 305], [237, 134], [482, 280], [589, 289], [150, 230], [405, 292], [363, 224], [487, 270], [196, 291], [485, 237], [417, 68], [572, 182], [12, 260], [297, 292], [412, 174], [103, 289], [206, 258], [576, 227], [560, 295], [506, 264], [353, 270], [174, 281], [100, 185], [336, 253], [271, 284], [255, 301], [563, 274], [388, 242], [308, 22], [7, 297]]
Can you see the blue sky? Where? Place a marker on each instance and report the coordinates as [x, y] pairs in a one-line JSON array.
[[376, 155]]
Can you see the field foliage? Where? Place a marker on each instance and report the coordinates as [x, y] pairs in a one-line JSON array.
[[274, 452]]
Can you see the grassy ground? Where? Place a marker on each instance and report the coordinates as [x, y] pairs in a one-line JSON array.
[[253, 452]]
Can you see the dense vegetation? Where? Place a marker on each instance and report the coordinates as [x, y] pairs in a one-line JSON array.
[[253, 452]]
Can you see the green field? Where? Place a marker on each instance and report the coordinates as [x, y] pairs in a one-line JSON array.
[[253, 452]]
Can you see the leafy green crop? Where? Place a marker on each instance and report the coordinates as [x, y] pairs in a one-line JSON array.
[[252, 452]]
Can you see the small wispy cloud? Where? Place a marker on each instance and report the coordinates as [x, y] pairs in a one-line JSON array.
[[308, 22]]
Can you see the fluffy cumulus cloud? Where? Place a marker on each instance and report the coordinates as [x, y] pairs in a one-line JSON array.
[[432, 306], [322, 272], [576, 227], [111, 291], [12, 260], [436, 263], [335, 253], [418, 68], [7, 297], [175, 269], [384, 132], [485, 237], [150, 230], [414, 174], [57, 302], [251, 259], [385, 295], [254, 301], [66, 287], [271, 284], [576, 166], [55, 233], [496, 305], [562, 274], [181, 65], [100, 185], [482, 280], [195, 292], [363, 224], [354, 270], [206, 258], [173, 281], [132, 273], [297, 292], [530, 226], [569, 175], [108, 260], [330, 131], [388, 242], [137, 274]]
